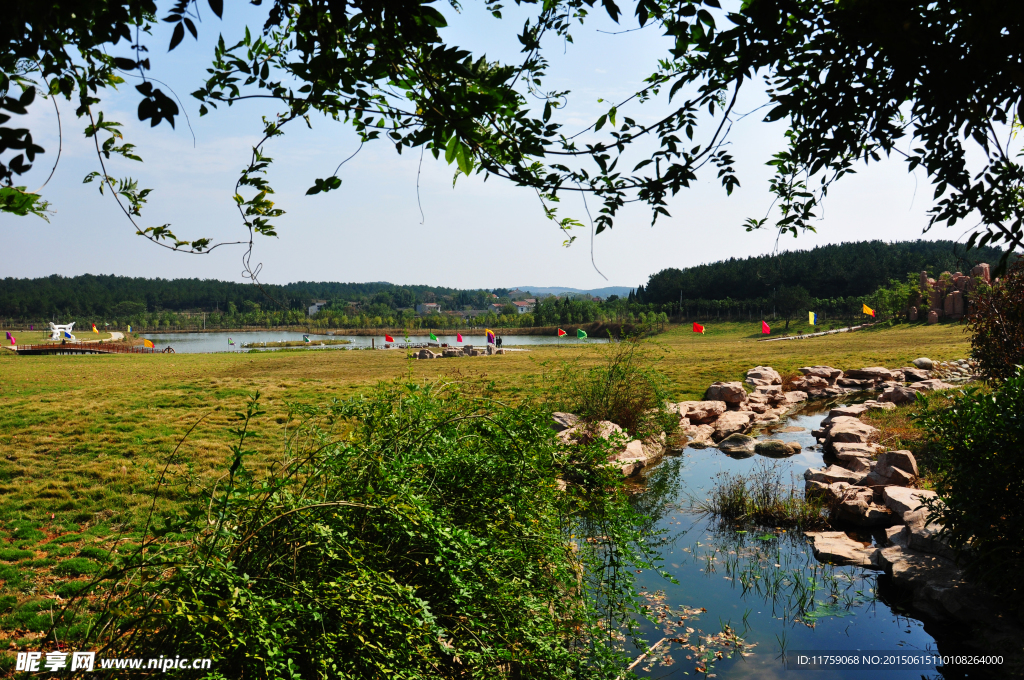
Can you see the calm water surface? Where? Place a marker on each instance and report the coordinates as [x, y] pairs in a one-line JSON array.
[[195, 343], [764, 584]]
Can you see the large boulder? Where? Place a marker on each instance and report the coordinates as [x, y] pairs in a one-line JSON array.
[[857, 507], [827, 372], [904, 460], [738, 446], [855, 384], [906, 503], [699, 411], [923, 363], [425, 354], [879, 405], [849, 451], [563, 421], [451, 353], [833, 474], [850, 430], [885, 476], [794, 397], [932, 384], [773, 448], [763, 375], [915, 374], [838, 548], [873, 373], [844, 411], [730, 392], [700, 435], [730, 422], [588, 432], [899, 394], [811, 383]]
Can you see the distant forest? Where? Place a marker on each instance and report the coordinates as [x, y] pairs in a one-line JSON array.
[[117, 296], [834, 271]]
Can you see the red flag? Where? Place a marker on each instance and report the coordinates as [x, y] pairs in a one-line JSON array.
[[458, 337], [765, 328], [388, 338], [697, 328], [560, 332]]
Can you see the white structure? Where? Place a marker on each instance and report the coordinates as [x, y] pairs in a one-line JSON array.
[[317, 306], [524, 306], [57, 332], [428, 308]]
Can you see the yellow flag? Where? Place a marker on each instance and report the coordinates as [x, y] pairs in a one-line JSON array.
[[147, 343], [810, 318], [868, 310], [94, 329]]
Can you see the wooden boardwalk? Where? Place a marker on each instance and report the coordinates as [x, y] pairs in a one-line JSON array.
[[86, 348]]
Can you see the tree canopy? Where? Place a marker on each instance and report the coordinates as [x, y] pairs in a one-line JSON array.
[[855, 80]]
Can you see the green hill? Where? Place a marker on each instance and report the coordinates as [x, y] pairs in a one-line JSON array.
[[833, 271]]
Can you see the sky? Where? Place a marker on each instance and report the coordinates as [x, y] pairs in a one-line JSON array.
[[474, 234]]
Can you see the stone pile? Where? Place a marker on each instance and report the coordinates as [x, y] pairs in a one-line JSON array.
[[464, 351], [630, 456], [947, 297]]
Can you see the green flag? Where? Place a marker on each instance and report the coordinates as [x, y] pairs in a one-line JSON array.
[[580, 333], [433, 337]]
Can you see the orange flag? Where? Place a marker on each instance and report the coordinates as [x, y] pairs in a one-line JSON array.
[[148, 343], [868, 310]]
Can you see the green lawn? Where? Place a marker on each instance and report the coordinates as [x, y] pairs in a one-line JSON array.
[[82, 438]]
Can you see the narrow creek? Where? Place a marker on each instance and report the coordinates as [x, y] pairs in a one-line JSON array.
[[763, 585]]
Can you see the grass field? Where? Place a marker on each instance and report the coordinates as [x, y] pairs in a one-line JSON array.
[[83, 438]]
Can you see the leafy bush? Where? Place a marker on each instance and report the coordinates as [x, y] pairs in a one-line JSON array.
[[624, 389], [416, 533], [978, 458], [996, 323]]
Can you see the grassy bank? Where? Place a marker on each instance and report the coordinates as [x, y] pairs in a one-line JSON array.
[[82, 439]]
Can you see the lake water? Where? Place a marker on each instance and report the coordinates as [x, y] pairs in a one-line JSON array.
[[764, 584], [198, 343]]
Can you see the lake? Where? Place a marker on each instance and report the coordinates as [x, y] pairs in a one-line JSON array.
[[202, 343], [764, 584]]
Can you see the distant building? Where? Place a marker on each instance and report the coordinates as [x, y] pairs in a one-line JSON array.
[[317, 306], [524, 306], [496, 308], [428, 308]]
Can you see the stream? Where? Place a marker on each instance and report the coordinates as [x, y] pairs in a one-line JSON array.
[[762, 585]]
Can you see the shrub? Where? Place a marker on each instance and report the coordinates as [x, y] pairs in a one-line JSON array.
[[414, 533], [13, 554], [624, 389], [996, 323], [978, 458]]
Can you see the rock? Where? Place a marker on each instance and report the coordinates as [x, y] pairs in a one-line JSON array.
[[933, 316], [833, 474], [794, 447], [923, 363], [983, 271], [730, 422], [858, 464], [795, 397], [874, 373], [700, 411], [857, 507], [737, 445], [879, 405], [827, 372], [588, 432], [700, 435], [811, 382], [563, 421], [757, 407], [451, 353], [835, 391], [927, 538], [853, 384], [729, 392], [849, 451], [851, 430], [773, 448], [912, 314], [932, 384], [898, 394], [882, 477], [904, 460], [848, 411], [766, 374], [905, 502], [838, 548]]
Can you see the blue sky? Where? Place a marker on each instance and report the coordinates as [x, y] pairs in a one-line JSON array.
[[473, 235]]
